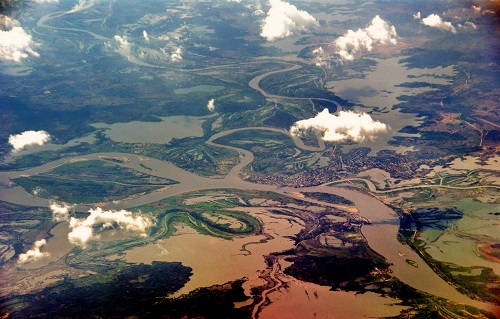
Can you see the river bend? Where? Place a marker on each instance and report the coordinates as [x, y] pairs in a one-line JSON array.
[[381, 234]]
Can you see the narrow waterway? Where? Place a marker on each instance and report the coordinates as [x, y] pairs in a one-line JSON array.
[[381, 234]]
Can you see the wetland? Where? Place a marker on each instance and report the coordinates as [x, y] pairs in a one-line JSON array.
[[172, 185]]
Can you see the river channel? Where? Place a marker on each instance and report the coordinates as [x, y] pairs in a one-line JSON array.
[[381, 233]]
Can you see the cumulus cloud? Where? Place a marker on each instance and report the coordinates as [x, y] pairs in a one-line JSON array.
[[347, 125], [378, 32], [122, 46], [123, 43], [145, 35], [176, 55], [59, 212], [7, 22], [435, 21], [211, 105], [15, 43], [46, 1], [320, 57], [283, 19], [79, 235], [34, 254], [417, 16], [27, 138], [82, 230]]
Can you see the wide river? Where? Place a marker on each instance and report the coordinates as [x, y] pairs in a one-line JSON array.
[[381, 233]]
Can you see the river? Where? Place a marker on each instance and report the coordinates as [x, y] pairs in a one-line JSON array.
[[381, 234]]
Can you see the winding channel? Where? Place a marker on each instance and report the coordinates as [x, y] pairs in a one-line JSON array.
[[253, 83], [381, 234]]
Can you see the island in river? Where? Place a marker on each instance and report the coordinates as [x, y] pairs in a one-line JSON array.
[[194, 178]]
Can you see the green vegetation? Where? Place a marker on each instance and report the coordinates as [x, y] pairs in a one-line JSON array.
[[332, 270], [104, 170], [304, 82], [95, 301], [17, 225], [105, 295], [273, 151], [222, 224], [329, 198], [484, 286], [210, 218], [191, 154], [422, 305], [74, 191], [235, 223], [281, 119], [81, 78], [431, 210], [90, 182], [199, 158]]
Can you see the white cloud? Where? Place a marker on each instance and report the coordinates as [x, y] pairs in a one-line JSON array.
[[347, 125], [257, 7], [82, 230], [124, 47], [479, 10], [176, 55], [318, 51], [435, 21], [417, 16], [82, 5], [320, 57], [488, 11], [283, 19], [378, 32], [211, 105], [59, 212], [7, 22], [27, 138], [46, 1], [124, 44], [467, 26], [15, 43], [259, 12], [79, 235], [34, 254], [145, 35], [163, 37]]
